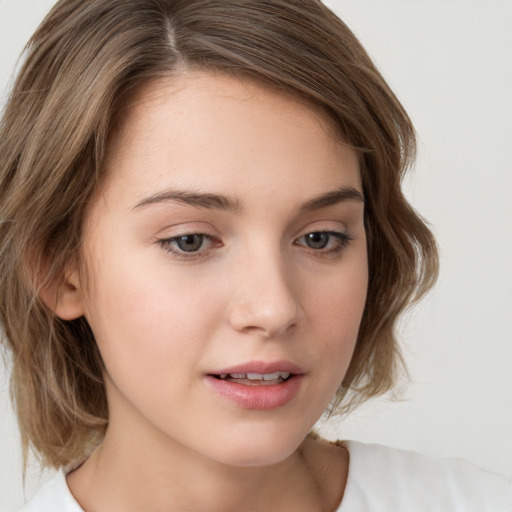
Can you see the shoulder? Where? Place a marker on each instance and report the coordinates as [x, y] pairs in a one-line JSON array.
[[53, 496], [383, 478]]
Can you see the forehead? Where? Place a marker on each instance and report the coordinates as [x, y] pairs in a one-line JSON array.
[[204, 130], [193, 90]]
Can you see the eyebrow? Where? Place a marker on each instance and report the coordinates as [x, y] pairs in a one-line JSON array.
[[197, 199], [221, 202], [340, 195]]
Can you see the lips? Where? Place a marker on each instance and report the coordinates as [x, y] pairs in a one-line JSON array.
[[257, 385]]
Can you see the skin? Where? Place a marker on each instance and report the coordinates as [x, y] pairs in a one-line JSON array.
[[255, 290]]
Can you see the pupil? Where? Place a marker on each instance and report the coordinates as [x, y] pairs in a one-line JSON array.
[[317, 240], [190, 243]]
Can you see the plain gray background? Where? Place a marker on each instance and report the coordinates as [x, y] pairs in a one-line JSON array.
[[450, 63]]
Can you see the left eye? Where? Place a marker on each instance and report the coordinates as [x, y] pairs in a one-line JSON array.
[[325, 240], [189, 243], [317, 240]]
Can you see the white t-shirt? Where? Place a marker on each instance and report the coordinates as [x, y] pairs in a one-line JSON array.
[[380, 479]]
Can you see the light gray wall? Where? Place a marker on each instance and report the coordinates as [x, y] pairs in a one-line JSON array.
[[450, 63]]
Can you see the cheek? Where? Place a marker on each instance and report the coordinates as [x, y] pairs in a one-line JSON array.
[[336, 310], [339, 296], [144, 314]]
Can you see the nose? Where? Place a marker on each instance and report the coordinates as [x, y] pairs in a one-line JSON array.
[[263, 301]]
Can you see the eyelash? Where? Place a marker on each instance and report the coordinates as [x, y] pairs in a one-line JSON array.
[[343, 240]]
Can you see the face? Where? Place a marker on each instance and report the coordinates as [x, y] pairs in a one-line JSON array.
[[227, 268]]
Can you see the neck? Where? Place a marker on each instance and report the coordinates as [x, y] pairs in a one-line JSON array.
[[111, 481]]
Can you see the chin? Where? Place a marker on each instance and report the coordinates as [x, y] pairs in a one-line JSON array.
[[259, 447]]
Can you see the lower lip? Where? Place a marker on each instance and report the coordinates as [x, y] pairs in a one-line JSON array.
[[257, 397]]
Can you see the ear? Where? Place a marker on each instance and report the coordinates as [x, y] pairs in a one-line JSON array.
[[65, 297]]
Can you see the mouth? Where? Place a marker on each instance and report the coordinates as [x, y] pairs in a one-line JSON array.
[[255, 379], [258, 385]]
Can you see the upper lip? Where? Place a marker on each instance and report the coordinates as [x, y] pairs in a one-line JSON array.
[[262, 367]]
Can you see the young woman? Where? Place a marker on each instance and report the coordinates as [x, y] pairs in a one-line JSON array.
[[204, 246]]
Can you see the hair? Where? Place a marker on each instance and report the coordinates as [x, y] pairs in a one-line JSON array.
[[81, 66]]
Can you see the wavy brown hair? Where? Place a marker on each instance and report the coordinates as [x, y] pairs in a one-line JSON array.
[[81, 66]]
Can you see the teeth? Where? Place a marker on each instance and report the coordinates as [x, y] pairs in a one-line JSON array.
[[256, 376]]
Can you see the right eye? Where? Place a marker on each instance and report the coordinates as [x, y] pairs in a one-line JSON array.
[[188, 245]]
